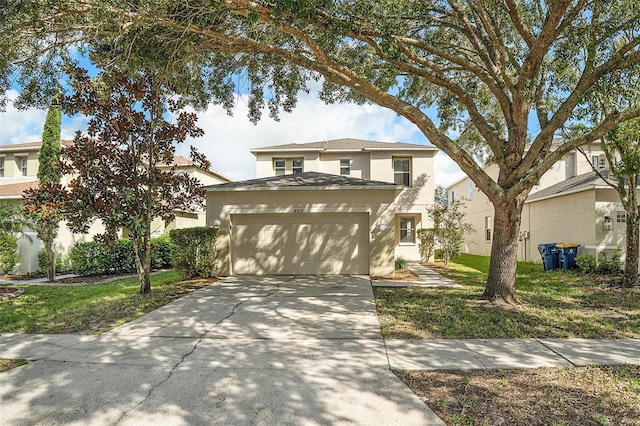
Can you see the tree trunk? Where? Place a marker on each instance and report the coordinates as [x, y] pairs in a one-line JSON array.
[[143, 262], [501, 282], [48, 241], [632, 249]]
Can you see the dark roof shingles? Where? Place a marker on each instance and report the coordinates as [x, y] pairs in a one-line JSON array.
[[303, 180]]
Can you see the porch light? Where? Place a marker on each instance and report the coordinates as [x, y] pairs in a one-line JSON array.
[[608, 224]]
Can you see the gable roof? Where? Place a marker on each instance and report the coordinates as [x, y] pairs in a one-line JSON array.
[[303, 181], [30, 146], [345, 144], [574, 184]]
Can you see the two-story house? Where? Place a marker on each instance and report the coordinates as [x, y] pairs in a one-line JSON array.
[[569, 204], [344, 206], [18, 172]]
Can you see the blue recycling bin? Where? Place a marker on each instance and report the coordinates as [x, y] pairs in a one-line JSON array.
[[567, 255], [549, 256]]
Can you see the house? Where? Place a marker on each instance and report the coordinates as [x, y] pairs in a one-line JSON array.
[[18, 172], [345, 206], [569, 204]]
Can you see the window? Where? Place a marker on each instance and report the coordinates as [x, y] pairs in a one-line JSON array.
[[598, 162], [280, 167], [407, 230], [452, 197], [471, 188], [1, 167], [345, 166], [402, 171], [23, 166], [487, 228], [621, 216], [297, 166]]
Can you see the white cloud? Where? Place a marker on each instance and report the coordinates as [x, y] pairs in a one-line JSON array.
[[20, 126], [446, 170]]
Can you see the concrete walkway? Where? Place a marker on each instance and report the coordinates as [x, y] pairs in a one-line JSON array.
[[266, 351], [426, 278], [260, 351]]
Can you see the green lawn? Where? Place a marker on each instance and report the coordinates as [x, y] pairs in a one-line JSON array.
[[87, 309], [554, 304]]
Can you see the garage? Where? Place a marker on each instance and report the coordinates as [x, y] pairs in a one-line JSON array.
[[299, 243]]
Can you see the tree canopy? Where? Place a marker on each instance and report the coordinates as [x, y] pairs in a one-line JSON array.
[[488, 67]]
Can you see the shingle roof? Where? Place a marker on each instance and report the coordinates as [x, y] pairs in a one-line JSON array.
[[306, 180], [15, 190], [345, 144], [574, 184]]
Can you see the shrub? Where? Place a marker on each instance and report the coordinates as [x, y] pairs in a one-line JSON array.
[[427, 237], [401, 263], [588, 264], [161, 252], [88, 258], [8, 252], [194, 252], [63, 264]]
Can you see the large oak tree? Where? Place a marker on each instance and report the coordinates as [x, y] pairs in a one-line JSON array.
[[505, 75]]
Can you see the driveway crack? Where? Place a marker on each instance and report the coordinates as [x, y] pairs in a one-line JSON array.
[[186, 355]]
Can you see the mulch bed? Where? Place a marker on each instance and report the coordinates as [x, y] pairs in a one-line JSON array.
[[10, 292]]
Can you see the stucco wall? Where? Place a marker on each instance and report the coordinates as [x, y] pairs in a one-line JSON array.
[[329, 162], [222, 204]]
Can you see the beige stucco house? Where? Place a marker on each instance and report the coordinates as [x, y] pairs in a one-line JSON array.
[[18, 172], [344, 206], [570, 204]]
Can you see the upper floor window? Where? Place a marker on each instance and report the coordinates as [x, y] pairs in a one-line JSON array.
[[297, 166], [22, 164], [284, 166], [1, 167], [345, 166], [452, 196], [402, 171], [472, 187], [280, 167], [599, 162], [407, 230]]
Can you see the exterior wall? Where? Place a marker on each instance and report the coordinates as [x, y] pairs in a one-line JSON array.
[[552, 221], [329, 162], [479, 208], [12, 163], [223, 204], [374, 165]]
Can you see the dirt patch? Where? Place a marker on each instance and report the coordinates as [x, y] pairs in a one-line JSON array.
[[399, 275], [595, 395], [8, 364], [10, 292]]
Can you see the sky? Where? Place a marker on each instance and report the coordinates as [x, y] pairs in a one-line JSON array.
[[228, 140]]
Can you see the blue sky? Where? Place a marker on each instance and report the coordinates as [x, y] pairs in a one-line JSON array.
[[227, 140]]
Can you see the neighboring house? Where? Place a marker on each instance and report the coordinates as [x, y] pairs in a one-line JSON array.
[[570, 204], [344, 206], [18, 172]]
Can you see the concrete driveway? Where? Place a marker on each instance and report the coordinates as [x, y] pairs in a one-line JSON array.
[[246, 350]]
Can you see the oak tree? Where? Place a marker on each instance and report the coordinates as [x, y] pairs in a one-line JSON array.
[[504, 76]]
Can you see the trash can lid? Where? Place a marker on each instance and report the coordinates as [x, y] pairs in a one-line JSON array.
[[567, 245]]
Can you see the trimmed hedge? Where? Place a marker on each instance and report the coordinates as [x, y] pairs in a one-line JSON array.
[[91, 258], [195, 252]]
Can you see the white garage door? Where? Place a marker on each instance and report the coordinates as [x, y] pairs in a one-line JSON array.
[[306, 243]]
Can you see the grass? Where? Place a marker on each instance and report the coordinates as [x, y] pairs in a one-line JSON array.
[[554, 304], [8, 364], [607, 395], [90, 309]]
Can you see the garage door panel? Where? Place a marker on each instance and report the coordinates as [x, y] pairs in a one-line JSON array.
[[300, 244]]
